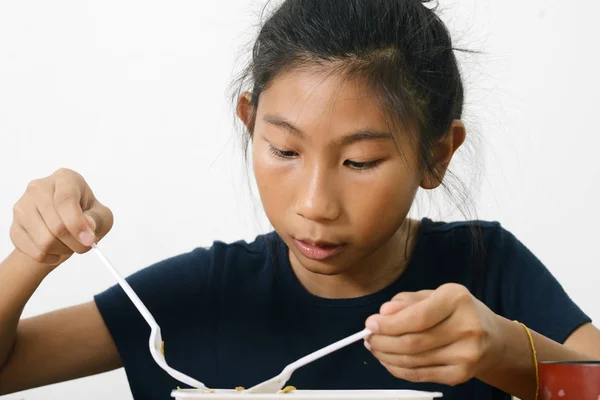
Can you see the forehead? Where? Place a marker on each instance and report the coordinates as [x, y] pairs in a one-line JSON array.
[[315, 99]]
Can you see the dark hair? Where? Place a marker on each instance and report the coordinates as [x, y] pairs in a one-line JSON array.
[[400, 48]]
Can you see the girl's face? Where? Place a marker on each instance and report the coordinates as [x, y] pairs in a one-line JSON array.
[[333, 182]]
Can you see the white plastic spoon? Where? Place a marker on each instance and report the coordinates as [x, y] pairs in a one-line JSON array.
[[155, 341], [277, 383]]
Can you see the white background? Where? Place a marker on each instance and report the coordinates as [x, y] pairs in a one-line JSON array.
[[131, 95]]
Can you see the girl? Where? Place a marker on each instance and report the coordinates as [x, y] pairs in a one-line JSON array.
[[353, 105]]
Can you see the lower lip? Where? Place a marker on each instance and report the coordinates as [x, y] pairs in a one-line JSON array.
[[317, 252]]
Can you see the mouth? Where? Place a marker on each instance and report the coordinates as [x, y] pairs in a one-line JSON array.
[[318, 250]]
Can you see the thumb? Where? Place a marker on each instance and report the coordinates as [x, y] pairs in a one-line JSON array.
[[100, 219], [403, 300], [90, 221]]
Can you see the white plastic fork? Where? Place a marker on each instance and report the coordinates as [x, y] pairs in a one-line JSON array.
[[155, 341], [277, 383]]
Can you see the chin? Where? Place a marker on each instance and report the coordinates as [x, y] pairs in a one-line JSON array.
[[320, 268], [330, 267]]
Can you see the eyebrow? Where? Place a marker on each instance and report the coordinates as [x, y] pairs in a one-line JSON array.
[[360, 135]]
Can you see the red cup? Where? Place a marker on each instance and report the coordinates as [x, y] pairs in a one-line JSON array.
[[570, 380]]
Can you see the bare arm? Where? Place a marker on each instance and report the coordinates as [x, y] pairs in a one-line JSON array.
[[448, 336], [586, 340], [56, 217], [50, 348], [18, 280], [515, 372]]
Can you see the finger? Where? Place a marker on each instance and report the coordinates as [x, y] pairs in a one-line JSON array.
[[415, 343], [25, 245], [65, 242], [100, 218], [45, 239], [32, 222], [465, 353], [407, 296], [403, 300], [451, 375], [415, 318], [452, 353], [67, 199], [405, 360]]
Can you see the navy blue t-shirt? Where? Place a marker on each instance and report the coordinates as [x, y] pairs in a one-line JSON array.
[[235, 314]]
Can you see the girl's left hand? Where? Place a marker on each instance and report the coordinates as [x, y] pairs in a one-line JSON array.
[[444, 336]]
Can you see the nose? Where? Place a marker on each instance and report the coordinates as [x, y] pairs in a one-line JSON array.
[[317, 198]]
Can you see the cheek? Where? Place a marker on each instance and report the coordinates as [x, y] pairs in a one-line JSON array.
[[262, 173], [383, 204], [270, 183]]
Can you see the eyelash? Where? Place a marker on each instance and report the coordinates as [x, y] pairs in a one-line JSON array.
[[357, 166], [281, 153], [361, 166]]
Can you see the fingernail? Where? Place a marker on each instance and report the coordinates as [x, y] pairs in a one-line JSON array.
[[372, 326], [367, 345], [86, 238]]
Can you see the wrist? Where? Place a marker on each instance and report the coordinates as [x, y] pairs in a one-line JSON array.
[[29, 266], [510, 365], [497, 351]]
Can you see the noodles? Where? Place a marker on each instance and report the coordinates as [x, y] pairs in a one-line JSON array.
[[288, 389]]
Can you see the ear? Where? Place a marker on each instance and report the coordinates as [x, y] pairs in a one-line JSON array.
[[245, 111], [443, 151]]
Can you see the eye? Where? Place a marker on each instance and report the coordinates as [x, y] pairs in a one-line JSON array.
[[361, 166], [285, 154]]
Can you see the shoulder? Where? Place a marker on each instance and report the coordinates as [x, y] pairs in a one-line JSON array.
[[461, 229], [508, 277], [256, 249], [219, 257], [468, 236], [200, 271], [487, 243], [443, 227], [481, 254]]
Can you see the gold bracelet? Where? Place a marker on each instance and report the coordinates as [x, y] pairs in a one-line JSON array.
[[535, 360]]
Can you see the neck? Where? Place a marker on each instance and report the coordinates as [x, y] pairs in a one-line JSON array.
[[371, 274]]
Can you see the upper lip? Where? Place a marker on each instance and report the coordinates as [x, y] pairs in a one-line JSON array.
[[318, 243]]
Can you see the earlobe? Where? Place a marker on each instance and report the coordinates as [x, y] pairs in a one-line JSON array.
[[433, 179], [245, 111], [443, 151]]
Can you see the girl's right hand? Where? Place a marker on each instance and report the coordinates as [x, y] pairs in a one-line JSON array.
[[58, 216]]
